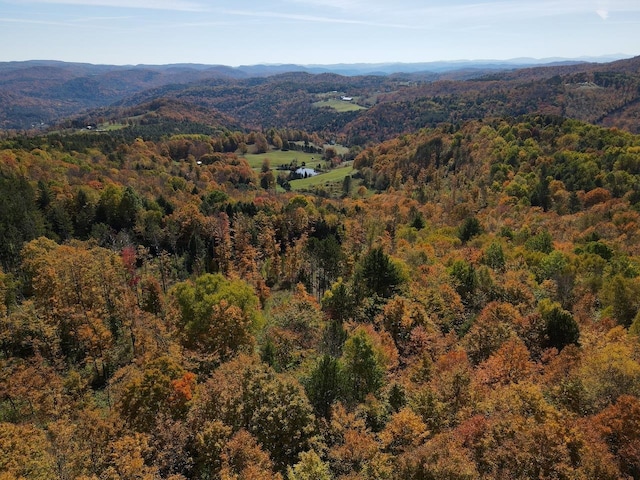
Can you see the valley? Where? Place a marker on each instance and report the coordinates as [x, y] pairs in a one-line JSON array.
[[228, 273]]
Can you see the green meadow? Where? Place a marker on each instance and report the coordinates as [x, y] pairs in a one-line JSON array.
[[339, 106], [279, 157], [324, 179]]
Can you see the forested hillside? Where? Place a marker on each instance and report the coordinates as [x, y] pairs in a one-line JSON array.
[[171, 308], [389, 106], [40, 95], [601, 94], [463, 304]]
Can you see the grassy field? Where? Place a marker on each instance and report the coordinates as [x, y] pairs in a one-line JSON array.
[[278, 157], [339, 106], [110, 127], [331, 177], [340, 150]]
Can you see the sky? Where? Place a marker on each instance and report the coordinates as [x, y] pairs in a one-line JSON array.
[[312, 32]]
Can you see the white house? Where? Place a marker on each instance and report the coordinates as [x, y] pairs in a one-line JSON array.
[[306, 172]]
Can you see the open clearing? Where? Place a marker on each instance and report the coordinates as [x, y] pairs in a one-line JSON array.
[[278, 158], [339, 106], [330, 177]]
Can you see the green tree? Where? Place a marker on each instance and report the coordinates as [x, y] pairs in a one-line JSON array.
[[560, 327], [338, 303], [494, 256], [541, 242], [325, 261], [378, 275], [310, 467], [363, 371], [417, 220], [84, 212], [108, 205], [347, 185], [541, 195], [465, 279], [59, 221], [323, 385], [20, 219], [247, 394], [128, 208], [217, 317], [469, 229], [622, 295]]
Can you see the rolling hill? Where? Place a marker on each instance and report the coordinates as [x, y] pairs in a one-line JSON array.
[[602, 94], [169, 310], [38, 94]]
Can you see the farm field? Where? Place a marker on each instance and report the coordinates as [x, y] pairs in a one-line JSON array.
[[278, 158], [332, 176], [339, 106]]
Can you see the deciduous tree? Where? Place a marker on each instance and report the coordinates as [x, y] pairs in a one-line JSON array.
[[217, 317], [272, 407]]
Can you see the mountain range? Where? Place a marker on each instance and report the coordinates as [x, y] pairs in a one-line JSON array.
[[386, 99]]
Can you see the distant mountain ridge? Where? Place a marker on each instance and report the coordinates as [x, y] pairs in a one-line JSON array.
[[40, 93], [600, 93], [387, 68]]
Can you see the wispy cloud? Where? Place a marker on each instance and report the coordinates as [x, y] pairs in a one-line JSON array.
[[96, 23], [317, 19], [176, 5], [499, 10], [434, 15], [335, 4], [27, 21], [190, 25], [100, 19]]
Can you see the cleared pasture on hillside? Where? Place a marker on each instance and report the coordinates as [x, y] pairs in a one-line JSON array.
[[334, 176], [278, 158], [339, 106]]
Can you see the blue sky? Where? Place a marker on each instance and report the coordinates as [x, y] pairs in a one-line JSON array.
[[314, 31]]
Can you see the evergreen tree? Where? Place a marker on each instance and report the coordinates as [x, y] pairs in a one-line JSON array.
[[323, 385], [469, 229], [560, 327], [378, 275]]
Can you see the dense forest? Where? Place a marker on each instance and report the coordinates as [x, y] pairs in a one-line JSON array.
[[35, 96], [464, 305]]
